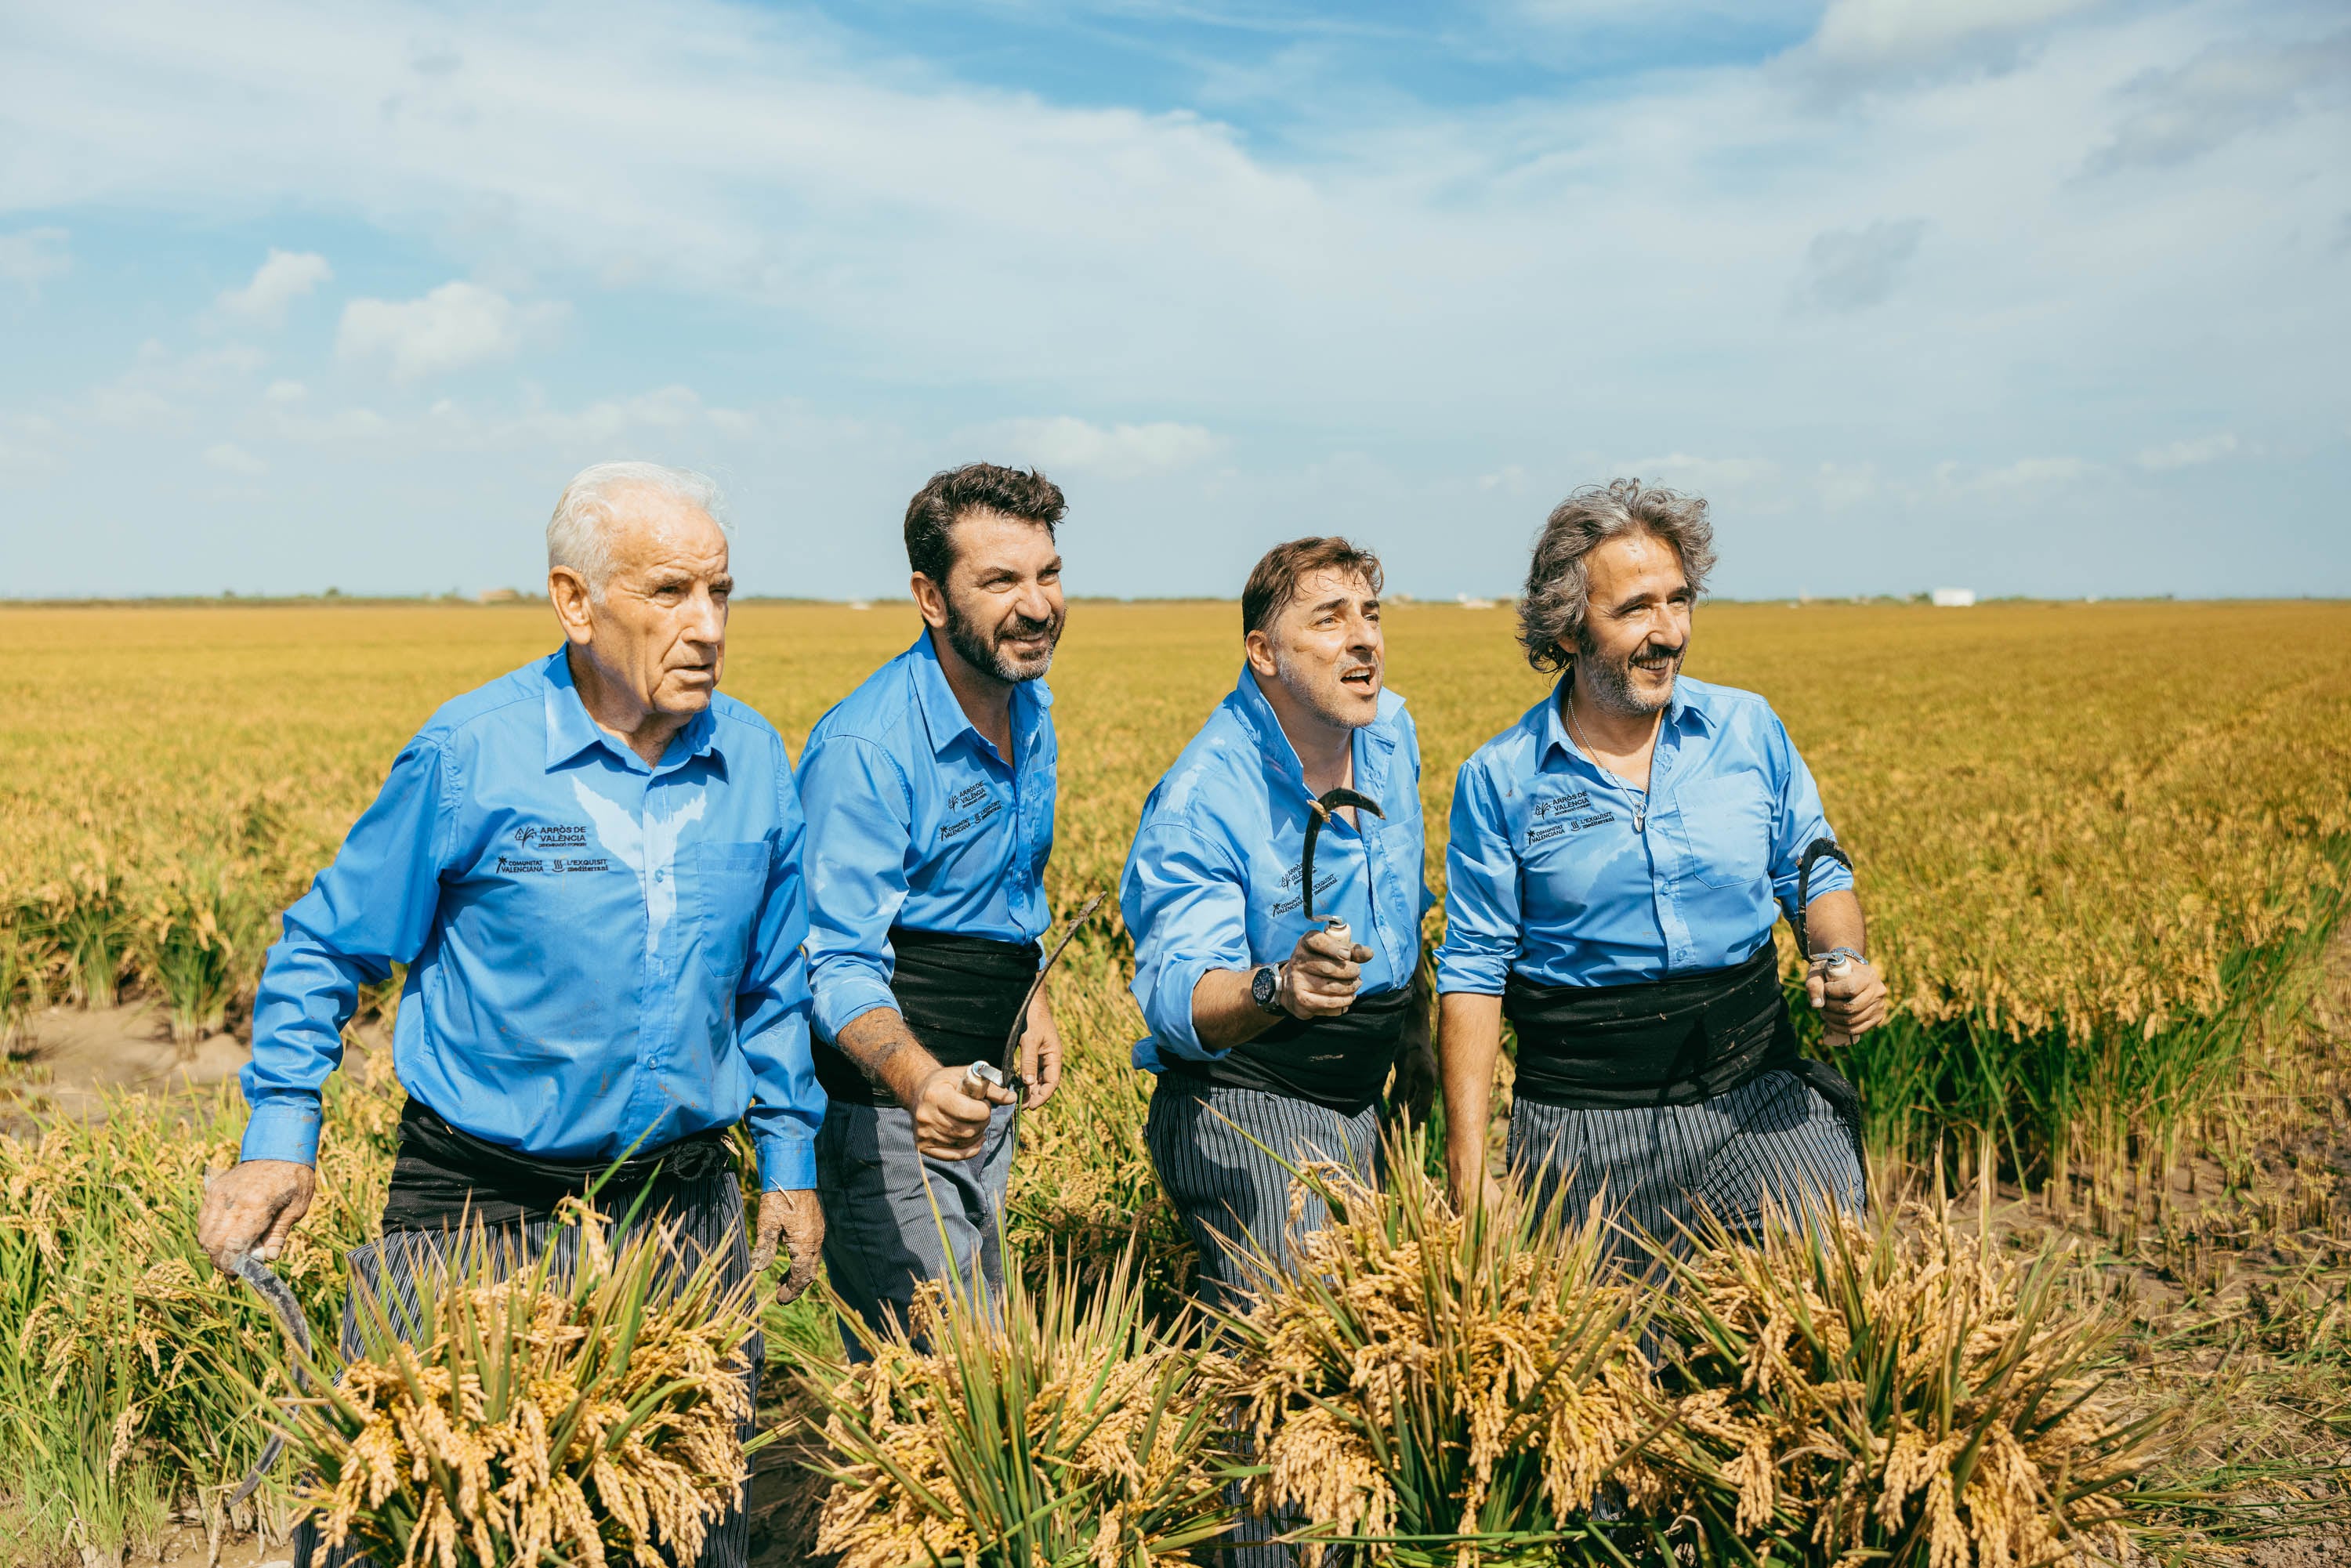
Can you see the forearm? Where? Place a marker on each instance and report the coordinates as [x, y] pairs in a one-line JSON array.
[[1224, 1014], [1834, 920], [886, 1051], [1468, 1040]]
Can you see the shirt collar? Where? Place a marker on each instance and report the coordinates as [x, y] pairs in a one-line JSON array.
[[570, 730], [1687, 707], [942, 713], [1372, 742]]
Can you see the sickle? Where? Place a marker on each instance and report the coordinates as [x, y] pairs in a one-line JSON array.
[[1818, 850], [1318, 812], [1011, 1066], [297, 1329]]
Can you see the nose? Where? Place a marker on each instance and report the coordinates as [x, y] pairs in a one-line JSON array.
[[1034, 602], [706, 622]]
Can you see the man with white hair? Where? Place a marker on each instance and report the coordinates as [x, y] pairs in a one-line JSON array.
[[592, 868]]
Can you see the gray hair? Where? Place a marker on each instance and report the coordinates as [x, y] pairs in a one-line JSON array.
[[580, 534], [1551, 611]]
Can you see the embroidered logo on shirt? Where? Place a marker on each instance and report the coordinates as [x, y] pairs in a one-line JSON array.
[[558, 836], [1544, 832], [558, 866], [966, 796], [1552, 806]]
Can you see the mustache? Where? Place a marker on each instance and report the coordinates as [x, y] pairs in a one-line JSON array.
[[1652, 656], [1022, 627]]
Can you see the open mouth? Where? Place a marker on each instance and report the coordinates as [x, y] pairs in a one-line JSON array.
[[1364, 680], [1661, 664]]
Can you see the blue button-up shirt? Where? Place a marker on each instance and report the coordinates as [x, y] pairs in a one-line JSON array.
[[1547, 877], [1212, 880], [602, 956], [919, 822]]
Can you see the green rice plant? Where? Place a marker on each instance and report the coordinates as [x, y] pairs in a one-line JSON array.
[[1437, 1390], [1062, 1431], [1900, 1393], [90, 924], [580, 1410], [198, 930]]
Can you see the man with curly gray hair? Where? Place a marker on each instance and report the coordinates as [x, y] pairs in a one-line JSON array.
[[1618, 859]]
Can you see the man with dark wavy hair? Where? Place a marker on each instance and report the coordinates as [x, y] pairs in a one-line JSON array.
[[929, 792], [1618, 858]]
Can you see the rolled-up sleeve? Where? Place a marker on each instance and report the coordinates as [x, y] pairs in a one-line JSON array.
[[856, 864], [371, 908], [1797, 821], [771, 1012], [1184, 902], [1482, 919]]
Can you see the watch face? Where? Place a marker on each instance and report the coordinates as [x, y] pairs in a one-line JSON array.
[[1262, 987]]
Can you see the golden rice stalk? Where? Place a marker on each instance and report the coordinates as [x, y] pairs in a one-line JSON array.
[[1062, 1430], [1442, 1388], [584, 1411], [1894, 1392]]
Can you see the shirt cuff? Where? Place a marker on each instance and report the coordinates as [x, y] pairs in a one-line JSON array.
[[841, 997], [1172, 1026], [1828, 876], [284, 1127], [786, 1163], [1479, 974]]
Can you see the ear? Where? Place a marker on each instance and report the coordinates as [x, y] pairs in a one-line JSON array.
[[566, 591], [931, 600], [1258, 648]]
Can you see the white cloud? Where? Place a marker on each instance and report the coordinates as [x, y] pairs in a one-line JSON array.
[[287, 275], [231, 458], [1683, 471], [1911, 35], [2189, 452], [1851, 269], [284, 392], [456, 324], [2033, 473], [30, 257], [2224, 92], [1115, 451]]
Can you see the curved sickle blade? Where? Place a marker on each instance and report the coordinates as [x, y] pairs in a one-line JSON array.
[[297, 1330], [1816, 851], [1317, 813], [1011, 1066]]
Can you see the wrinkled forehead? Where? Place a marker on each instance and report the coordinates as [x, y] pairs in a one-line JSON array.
[[1634, 566], [1328, 588], [988, 543], [652, 528]]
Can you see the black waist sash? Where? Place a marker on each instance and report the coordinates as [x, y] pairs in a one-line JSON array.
[[1656, 1042], [1339, 1062], [959, 994], [445, 1174]]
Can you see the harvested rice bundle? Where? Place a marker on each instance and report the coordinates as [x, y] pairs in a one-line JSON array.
[[584, 1413], [1436, 1388], [1898, 1393], [1063, 1432]]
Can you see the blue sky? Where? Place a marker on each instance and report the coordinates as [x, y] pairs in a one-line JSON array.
[[2030, 296]]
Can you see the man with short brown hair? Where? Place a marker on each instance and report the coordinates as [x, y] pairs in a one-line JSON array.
[[1278, 1009], [930, 794]]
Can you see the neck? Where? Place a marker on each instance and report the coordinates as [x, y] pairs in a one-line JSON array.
[[619, 712], [1610, 730], [1326, 751], [985, 700]]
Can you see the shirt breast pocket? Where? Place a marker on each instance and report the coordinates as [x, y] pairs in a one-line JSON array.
[[729, 881], [1726, 826]]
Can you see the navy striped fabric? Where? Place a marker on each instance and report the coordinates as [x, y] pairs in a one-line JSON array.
[[1771, 1139]]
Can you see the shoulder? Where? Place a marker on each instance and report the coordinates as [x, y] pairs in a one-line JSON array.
[[516, 699], [1513, 750], [742, 724], [1217, 766], [880, 711], [1724, 701]]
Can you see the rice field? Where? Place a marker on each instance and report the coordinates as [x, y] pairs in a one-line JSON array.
[[2103, 849]]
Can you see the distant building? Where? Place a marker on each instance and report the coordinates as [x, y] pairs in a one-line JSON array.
[[1467, 603], [498, 596], [1953, 598]]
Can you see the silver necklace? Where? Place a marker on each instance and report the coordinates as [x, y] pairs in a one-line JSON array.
[[1641, 806]]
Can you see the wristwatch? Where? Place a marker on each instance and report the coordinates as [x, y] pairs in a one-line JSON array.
[[1265, 989]]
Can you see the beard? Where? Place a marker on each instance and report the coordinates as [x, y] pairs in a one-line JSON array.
[[1613, 685], [1318, 692], [982, 647]]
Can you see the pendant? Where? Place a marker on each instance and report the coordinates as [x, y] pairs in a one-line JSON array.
[[1640, 821]]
